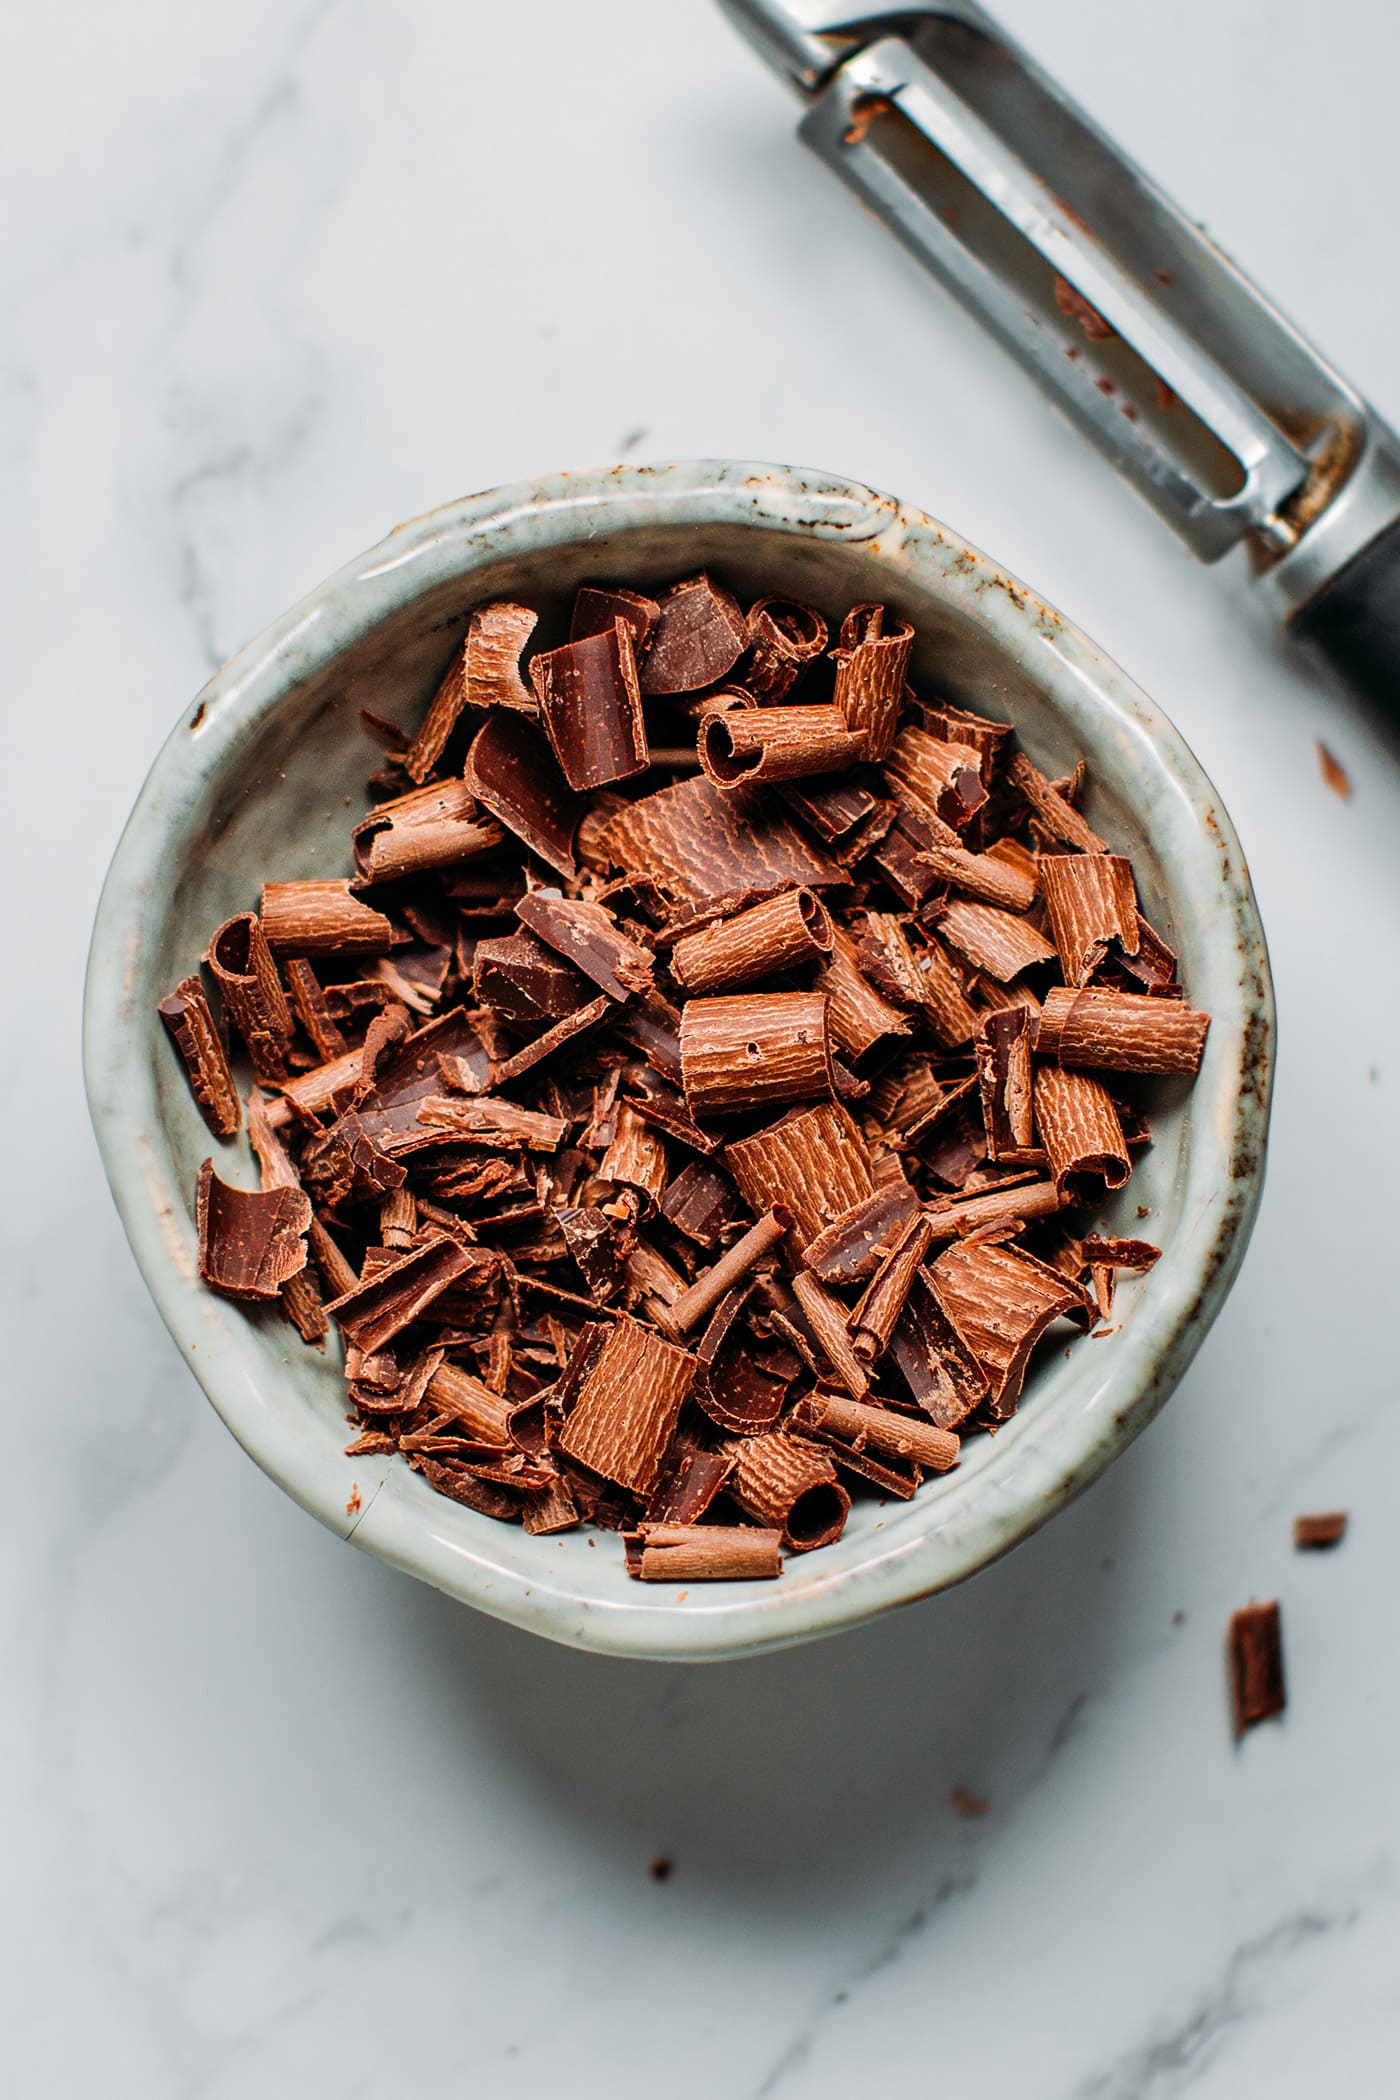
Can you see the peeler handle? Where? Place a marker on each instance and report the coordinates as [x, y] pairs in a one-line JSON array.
[[1352, 625]]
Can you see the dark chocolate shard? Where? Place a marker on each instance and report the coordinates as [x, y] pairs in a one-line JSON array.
[[190, 1025], [586, 936], [525, 981], [511, 770], [698, 638]]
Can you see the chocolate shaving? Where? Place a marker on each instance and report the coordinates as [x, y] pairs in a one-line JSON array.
[[699, 1203], [709, 1553], [877, 1428], [190, 1025], [1058, 818], [628, 1405], [322, 918], [688, 1484], [747, 746], [484, 673], [754, 1050], [943, 780], [588, 938], [791, 1486], [698, 638], [853, 1245], [994, 941], [241, 965], [596, 608], [433, 827], [250, 1242], [782, 933], [784, 638], [1255, 1652], [1001, 1301], [812, 1164], [374, 1311], [1004, 1041], [697, 839], [872, 664], [1120, 1031], [511, 770], [1092, 903], [592, 707]]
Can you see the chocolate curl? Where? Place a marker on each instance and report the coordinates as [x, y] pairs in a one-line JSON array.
[[746, 1052], [596, 607], [190, 1025], [944, 780], [812, 1164], [1055, 814], [382, 1305], [781, 934], [876, 1429], [704, 1294], [994, 941], [1092, 901], [1121, 1031], [250, 1242], [875, 1318], [750, 745], [1036, 1199], [313, 1010], [1006, 1080], [1001, 1301], [484, 673], [860, 1016], [636, 1159], [988, 877], [479, 1412], [511, 770], [432, 827], [792, 1487], [703, 1553], [1080, 1129], [549, 1509], [887, 960], [842, 812], [826, 1316], [240, 963], [626, 1411], [957, 725], [699, 637], [592, 707], [322, 918], [872, 664], [784, 637]]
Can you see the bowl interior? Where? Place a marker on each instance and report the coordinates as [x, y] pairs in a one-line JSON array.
[[263, 782]]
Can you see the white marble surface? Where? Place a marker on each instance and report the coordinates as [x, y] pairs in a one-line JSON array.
[[275, 1820]]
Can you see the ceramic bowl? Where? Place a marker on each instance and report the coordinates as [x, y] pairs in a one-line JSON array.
[[259, 779]]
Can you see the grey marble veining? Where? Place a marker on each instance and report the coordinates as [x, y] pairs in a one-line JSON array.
[[278, 1822]]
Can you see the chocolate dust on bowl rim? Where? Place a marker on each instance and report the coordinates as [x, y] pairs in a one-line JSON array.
[[693, 1109]]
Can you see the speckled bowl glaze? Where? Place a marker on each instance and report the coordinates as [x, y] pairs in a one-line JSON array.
[[259, 780]]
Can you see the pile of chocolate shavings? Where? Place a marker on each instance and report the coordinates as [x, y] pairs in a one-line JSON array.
[[681, 1154]]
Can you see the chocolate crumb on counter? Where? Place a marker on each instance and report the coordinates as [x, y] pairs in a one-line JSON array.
[[1316, 1534], [695, 1098], [1255, 1650]]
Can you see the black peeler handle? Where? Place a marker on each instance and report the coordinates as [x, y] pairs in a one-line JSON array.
[[1353, 624]]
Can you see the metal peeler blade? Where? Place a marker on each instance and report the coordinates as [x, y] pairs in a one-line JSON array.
[[1197, 389]]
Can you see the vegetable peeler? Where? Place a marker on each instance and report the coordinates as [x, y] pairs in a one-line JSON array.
[[1196, 388]]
